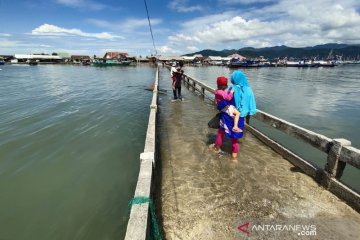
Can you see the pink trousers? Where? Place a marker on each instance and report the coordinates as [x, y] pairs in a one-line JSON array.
[[234, 141]]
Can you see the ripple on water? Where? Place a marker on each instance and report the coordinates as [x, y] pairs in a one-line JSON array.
[[70, 137]]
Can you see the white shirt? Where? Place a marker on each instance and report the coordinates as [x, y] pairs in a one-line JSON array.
[[172, 70]]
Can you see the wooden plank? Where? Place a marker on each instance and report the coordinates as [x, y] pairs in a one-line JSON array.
[[296, 160], [203, 85], [351, 156], [316, 140], [347, 194]]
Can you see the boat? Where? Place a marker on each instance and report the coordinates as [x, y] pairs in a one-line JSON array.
[[33, 62], [302, 63], [264, 64], [86, 63], [236, 63], [2, 62], [327, 63], [111, 62]]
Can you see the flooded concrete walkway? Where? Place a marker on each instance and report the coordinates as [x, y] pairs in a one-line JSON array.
[[202, 195]]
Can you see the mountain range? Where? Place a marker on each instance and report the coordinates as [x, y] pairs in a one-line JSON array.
[[329, 50]]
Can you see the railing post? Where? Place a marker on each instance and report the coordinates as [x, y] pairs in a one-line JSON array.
[[334, 168], [203, 91]]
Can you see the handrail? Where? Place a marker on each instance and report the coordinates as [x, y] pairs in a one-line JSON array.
[[351, 156], [138, 224], [316, 140], [339, 150]]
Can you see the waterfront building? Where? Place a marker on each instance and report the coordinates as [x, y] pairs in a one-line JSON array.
[[215, 60], [43, 58], [170, 59], [115, 55], [80, 58]]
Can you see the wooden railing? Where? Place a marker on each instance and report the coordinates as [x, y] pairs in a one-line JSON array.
[[339, 151], [138, 225]]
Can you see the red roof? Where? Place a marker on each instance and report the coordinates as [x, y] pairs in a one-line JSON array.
[[112, 55]]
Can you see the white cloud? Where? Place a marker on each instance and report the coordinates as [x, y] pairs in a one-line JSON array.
[[198, 23], [182, 6], [192, 48], [232, 2], [87, 4], [5, 35], [45, 46], [129, 24], [52, 30], [136, 23], [309, 23], [167, 50], [4, 43], [179, 38], [7, 43]]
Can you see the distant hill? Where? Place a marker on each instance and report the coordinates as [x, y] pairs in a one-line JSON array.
[[318, 51]]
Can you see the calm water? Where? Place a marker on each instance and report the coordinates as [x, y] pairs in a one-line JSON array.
[[324, 100], [70, 139]]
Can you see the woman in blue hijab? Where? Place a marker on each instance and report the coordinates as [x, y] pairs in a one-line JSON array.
[[243, 95], [244, 101]]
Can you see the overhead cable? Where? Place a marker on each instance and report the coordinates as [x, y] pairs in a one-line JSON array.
[[152, 36]]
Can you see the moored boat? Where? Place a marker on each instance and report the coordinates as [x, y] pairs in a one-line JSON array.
[[111, 62], [33, 62], [2, 62], [235, 63], [327, 63], [302, 64]]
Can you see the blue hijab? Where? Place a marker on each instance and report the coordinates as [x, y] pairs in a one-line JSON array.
[[243, 95]]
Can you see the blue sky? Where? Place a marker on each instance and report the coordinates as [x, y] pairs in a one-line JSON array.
[[179, 26]]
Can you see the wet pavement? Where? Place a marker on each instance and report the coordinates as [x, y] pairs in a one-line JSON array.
[[203, 195]]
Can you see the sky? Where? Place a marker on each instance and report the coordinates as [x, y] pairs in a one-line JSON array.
[[93, 27]]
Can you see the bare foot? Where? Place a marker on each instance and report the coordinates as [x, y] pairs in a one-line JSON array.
[[214, 148], [234, 157], [236, 129]]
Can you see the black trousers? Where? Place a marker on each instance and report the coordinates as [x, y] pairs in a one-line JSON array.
[[177, 93]]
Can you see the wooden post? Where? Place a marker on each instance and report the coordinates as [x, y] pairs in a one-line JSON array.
[[334, 168], [203, 91]]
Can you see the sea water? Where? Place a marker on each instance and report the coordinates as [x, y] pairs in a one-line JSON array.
[[70, 140], [70, 137]]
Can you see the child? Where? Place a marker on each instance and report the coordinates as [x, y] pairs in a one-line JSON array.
[[173, 70], [177, 83], [222, 94]]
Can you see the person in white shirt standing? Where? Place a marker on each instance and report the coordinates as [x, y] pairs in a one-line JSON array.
[[173, 71]]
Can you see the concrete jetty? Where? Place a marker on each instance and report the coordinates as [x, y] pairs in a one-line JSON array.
[[202, 195]]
